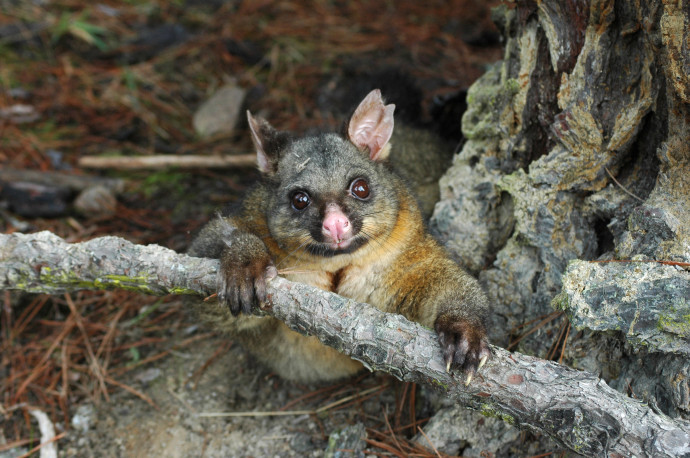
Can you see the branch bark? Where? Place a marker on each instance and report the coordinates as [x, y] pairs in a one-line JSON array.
[[575, 408]]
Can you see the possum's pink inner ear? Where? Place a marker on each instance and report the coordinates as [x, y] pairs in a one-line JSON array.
[[371, 125]]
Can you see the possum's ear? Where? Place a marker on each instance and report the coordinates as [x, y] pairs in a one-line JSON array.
[[371, 126], [268, 142]]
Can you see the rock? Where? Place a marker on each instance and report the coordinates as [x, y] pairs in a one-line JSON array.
[[35, 200], [83, 419], [148, 375], [455, 430], [661, 380], [19, 113], [22, 33], [301, 443], [474, 217], [649, 303], [219, 114], [350, 438], [96, 201], [636, 323]]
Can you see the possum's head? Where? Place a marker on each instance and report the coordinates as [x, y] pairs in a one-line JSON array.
[[330, 194]]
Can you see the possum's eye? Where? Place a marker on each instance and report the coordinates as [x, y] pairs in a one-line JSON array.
[[360, 188], [300, 200]]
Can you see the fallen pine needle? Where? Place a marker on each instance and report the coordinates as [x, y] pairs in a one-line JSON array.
[[665, 263], [429, 441], [136, 393]]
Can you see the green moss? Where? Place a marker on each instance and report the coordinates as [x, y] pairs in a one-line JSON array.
[[487, 98], [439, 384], [62, 278], [489, 411], [135, 284], [560, 302], [184, 291], [676, 324], [512, 86], [51, 280], [513, 183]]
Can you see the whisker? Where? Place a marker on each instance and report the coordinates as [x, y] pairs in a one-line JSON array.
[[306, 242], [290, 271]]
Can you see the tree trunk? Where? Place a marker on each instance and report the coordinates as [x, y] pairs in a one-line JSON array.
[[577, 148]]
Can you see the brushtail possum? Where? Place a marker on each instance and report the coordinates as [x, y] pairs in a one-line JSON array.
[[331, 212]]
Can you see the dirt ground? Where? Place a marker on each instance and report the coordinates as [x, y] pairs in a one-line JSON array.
[[178, 427]]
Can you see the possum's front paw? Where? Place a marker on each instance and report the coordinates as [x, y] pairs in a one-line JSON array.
[[245, 267], [463, 342]]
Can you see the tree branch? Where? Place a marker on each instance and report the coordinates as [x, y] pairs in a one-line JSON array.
[[575, 408]]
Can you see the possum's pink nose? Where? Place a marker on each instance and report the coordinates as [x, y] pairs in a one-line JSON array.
[[336, 226]]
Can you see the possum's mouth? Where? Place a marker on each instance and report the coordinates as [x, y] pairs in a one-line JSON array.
[[329, 249], [341, 244]]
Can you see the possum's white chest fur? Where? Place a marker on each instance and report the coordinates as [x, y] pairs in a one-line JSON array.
[[362, 283], [362, 279]]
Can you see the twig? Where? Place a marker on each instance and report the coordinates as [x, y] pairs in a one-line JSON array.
[[384, 446], [312, 394], [162, 161], [15, 444], [621, 186], [565, 341]]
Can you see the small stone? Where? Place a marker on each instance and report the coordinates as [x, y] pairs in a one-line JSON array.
[[149, 375], [20, 113], [351, 438], [96, 201], [220, 113], [83, 419]]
